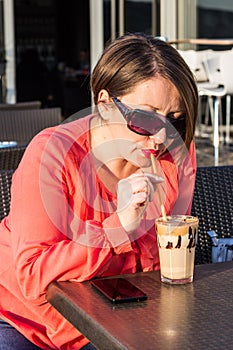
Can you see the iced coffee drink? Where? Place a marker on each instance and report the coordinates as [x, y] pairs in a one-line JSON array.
[[177, 238]]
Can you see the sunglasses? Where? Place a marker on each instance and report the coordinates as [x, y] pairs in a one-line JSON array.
[[148, 123]]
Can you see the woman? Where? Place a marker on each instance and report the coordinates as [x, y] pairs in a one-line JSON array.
[[84, 199]]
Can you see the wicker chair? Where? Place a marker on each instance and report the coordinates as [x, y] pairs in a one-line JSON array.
[[213, 205], [10, 157], [23, 125], [5, 196]]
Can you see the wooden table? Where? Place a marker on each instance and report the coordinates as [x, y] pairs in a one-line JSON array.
[[221, 42], [192, 316]]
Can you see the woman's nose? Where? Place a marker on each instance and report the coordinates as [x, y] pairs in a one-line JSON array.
[[160, 136]]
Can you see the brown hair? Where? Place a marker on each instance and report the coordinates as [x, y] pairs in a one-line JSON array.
[[133, 58]]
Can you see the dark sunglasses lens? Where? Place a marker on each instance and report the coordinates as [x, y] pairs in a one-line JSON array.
[[149, 123], [143, 122], [176, 126]]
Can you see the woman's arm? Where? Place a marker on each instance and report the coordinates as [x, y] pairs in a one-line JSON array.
[[41, 219]]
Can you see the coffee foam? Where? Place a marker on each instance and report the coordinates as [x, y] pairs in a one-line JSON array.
[[176, 225]]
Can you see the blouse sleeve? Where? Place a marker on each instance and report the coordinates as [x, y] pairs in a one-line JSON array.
[[42, 247]]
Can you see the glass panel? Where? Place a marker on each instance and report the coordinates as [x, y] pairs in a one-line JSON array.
[[137, 17], [215, 20], [107, 20]]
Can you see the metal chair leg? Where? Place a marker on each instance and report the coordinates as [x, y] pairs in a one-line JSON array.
[[216, 130], [228, 117]]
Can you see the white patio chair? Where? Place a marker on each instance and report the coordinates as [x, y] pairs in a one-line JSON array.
[[226, 67], [220, 72], [194, 60]]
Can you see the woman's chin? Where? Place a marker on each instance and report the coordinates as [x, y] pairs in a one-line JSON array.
[[143, 162]]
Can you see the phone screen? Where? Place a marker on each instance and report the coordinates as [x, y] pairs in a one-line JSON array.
[[119, 290]]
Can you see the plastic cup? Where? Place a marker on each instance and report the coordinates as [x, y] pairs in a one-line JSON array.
[[177, 238]]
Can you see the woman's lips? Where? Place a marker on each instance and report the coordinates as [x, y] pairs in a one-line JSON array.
[[147, 152]]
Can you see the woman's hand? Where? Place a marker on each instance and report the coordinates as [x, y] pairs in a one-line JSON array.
[[133, 195]]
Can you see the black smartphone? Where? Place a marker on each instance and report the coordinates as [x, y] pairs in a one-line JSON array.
[[119, 290]]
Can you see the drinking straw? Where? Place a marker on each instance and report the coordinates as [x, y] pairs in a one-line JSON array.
[[158, 188]]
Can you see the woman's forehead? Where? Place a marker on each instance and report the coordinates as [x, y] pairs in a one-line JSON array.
[[157, 92]]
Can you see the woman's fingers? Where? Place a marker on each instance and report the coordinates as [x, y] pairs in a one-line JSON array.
[[138, 183], [154, 180], [133, 195], [145, 182]]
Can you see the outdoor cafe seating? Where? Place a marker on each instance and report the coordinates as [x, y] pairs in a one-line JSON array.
[[10, 156], [213, 205], [5, 196], [22, 125], [19, 123], [214, 76]]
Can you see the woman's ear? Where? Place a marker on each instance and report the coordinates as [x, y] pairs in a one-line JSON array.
[[103, 100], [103, 96]]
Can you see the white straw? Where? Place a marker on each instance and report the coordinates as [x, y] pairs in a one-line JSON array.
[[158, 188]]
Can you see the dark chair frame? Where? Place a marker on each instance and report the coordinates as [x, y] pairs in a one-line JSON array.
[[10, 157], [213, 205], [5, 194], [23, 125]]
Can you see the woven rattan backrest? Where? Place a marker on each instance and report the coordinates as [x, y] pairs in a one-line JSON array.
[[213, 205], [23, 125], [10, 157], [5, 196]]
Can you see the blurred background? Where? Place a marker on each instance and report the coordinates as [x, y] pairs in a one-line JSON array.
[[48, 47]]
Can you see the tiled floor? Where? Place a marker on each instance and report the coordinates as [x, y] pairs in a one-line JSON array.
[[205, 153]]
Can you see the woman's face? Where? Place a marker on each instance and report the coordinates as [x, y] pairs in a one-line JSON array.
[[158, 95]]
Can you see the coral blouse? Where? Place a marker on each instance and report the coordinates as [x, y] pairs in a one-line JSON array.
[[63, 226]]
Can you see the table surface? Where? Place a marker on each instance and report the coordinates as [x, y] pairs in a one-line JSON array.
[[200, 41], [192, 316]]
